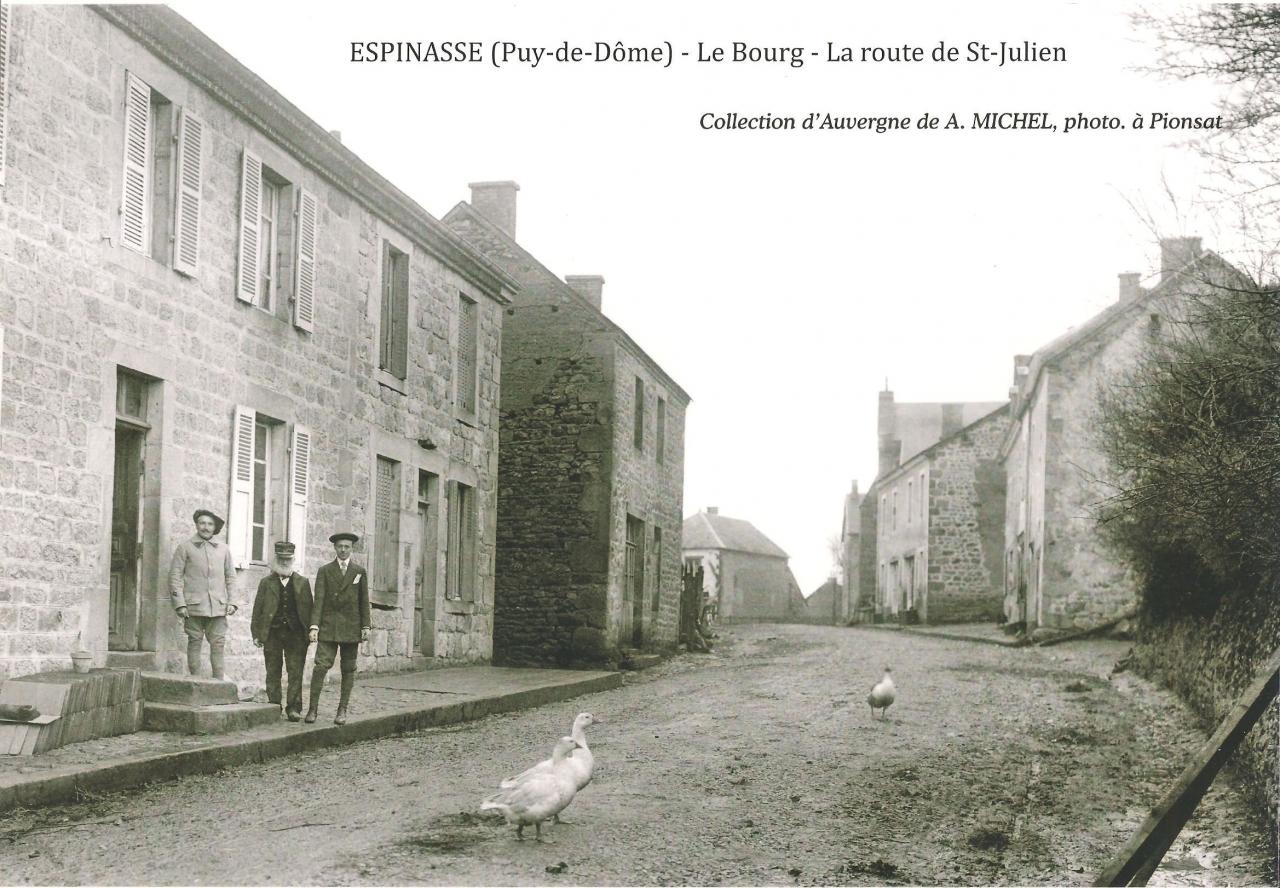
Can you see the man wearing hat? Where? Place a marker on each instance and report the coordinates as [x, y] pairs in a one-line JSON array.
[[281, 615], [202, 582], [340, 620]]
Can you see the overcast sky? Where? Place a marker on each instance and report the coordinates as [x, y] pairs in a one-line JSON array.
[[779, 277]]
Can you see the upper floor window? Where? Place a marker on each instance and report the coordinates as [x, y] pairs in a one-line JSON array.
[[638, 431], [660, 446], [277, 251], [393, 345], [468, 349]]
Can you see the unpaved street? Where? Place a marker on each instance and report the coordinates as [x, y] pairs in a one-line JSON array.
[[757, 764]]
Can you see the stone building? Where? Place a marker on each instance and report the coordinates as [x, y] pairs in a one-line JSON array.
[[930, 541], [849, 607], [591, 468], [745, 574], [208, 301], [1059, 573], [824, 604]]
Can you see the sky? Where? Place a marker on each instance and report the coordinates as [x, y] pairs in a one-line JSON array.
[[782, 278]]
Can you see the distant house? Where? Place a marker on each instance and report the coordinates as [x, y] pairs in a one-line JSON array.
[[590, 464], [824, 604], [849, 604], [745, 574], [1059, 573], [931, 523]]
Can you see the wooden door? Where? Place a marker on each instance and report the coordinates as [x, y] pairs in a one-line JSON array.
[[126, 539], [425, 605]]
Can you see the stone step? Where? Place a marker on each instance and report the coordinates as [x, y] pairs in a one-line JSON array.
[[215, 719], [635, 661], [187, 690], [144, 660]]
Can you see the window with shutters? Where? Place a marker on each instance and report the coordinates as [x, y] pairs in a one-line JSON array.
[[385, 581], [267, 518], [278, 244], [468, 322], [660, 445], [268, 487], [638, 431], [460, 552], [393, 345], [148, 184], [911, 500]]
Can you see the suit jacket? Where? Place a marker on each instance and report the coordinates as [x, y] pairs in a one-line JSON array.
[[342, 603], [270, 598]]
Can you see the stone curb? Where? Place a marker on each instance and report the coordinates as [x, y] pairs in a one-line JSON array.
[[62, 784], [952, 636]]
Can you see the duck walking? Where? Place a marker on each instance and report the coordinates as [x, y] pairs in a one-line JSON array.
[[538, 793], [581, 764], [882, 694]]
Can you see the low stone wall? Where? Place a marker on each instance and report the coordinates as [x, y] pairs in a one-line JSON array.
[[1209, 661]]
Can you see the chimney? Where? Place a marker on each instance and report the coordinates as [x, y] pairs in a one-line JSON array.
[[1021, 367], [588, 286], [952, 419], [496, 201], [337, 134], [854, 489], [886, 431], [1176, 253], [713, 510], [1130, 289]]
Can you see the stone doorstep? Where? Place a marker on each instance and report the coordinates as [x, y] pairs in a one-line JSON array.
[[636, 662], [188, 690], [219, 718]]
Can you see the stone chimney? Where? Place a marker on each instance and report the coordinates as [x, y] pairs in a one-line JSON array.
[[1021, 367], [1130, 289], [588, 286], [952, 419], [337, 134], [713, 510], [887, 432], [496, 201], [1176, 253]]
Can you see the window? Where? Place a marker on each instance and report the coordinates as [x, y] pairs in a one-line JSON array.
[[638, 435], [893, 515], [270, 474], [384, 584], [161, 180], [278, 232], [883, 518], [393, 343], [468, 320], [922, 495], [661, 445], [460, 555], [911, 499]]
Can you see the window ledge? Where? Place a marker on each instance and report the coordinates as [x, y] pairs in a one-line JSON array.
[[454, 606], [466, 417], [389, 380]]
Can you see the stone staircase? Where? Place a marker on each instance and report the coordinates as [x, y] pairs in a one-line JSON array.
[[186, 704]]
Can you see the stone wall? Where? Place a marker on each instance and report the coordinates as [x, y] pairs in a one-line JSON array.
[[868, 554], [76, 305], [757, 588], [966, 524]]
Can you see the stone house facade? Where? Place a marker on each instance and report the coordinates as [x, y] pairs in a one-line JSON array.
[[745, 574], [1059, 572], [591, 468], [929, 550], [208, 302]]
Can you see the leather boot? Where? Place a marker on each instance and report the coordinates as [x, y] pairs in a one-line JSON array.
[[317, 685], [348, 682]]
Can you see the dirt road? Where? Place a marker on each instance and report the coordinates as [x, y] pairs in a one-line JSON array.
[[757, 764]]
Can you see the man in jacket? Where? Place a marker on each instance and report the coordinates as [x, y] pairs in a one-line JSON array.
[[202, 583], [281, 617], [340, 621]]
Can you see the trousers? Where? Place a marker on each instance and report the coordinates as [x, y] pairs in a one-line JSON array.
[[327, 652], [284, 646], [199, 628]]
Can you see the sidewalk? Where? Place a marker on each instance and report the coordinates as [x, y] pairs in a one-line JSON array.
[[382, 705], [984, 633]]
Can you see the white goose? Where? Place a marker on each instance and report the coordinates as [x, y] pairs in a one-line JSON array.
[[538, 793], [882, 694], [582, 764]]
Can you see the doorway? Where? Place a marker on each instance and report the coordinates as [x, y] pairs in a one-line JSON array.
[[424, 621], [124, 609], [633, 594]]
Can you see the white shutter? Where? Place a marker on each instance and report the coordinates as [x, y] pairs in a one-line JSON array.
[[250, 213], [239, 525], [1, 366], [186, 215], [299, 475], [135, 201], [304, 296], [4, 85]]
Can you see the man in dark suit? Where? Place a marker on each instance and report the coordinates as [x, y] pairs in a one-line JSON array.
[[340, 621], [281, 616]]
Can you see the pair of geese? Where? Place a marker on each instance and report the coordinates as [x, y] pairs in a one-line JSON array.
[[546, 789]]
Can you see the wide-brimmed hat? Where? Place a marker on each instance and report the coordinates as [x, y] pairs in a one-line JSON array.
[[344, 535], [217, 522]]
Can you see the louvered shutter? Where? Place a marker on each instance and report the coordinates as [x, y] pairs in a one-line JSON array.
[[466, 354], [400, 316], [186, 215], [250, 214], [451, 540], [299, 476], [239, 525], [468, 547], [4, 85], [304, 297], [135, 205]]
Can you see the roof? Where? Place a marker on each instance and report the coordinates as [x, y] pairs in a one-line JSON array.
[[191, 53], [463, 208], [924, 454], [705, 531]]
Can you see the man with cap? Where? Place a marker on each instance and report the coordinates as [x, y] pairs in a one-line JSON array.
[[340, 621], [281, 616], [202, 583]]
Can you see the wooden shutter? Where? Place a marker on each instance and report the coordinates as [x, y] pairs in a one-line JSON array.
[[467, 319], [250, 213], [135, 201], [239, 523], [299, 476], [186, 212], [386, 534], [4, 85], [400, 316], [304, 295], [467, 544], [451, 541]]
